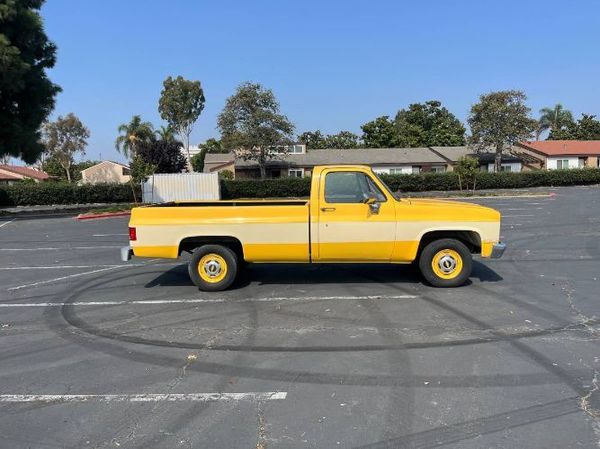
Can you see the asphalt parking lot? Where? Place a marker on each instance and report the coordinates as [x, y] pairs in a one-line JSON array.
[[100, 354]]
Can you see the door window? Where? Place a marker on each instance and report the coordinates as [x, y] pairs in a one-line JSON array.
[[351, 187]]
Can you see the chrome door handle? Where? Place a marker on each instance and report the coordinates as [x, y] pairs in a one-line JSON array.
[[327, 209]]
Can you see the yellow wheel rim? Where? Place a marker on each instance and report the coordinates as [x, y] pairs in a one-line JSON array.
[[447, 264], [212, 268]]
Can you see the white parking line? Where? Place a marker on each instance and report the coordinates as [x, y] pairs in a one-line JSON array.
[[204, 301], [170, 397], [7, 222], [109, 235], [52, 248], [71, 267], [62, 278], [513, 216]]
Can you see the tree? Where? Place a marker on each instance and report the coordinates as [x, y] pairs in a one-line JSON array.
[[164, 155], [213, 145], [26, 93], [181, 103], [343, 140], [428, 124], [252, 124], [553, 119], [140, 170], [313, 140], [317, 140], [380, 133], [53, 167], [165, 133], [64, 138], [500, 120], [586, 128], [132, 134], [197, 161], [467, 169]]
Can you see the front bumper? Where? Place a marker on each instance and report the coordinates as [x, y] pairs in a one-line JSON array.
[[497, 250], [126, 253]]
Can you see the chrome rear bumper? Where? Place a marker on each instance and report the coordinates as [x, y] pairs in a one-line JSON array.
[[497, 250], [126, 253]]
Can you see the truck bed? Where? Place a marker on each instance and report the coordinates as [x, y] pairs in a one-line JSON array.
[[268, 230]]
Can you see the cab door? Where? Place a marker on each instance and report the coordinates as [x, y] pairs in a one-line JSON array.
[[356, 220]]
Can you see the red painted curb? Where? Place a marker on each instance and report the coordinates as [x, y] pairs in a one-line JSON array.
[[102, 215]]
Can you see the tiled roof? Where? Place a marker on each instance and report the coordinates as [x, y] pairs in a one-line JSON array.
[[564, 147], [9, 177], [106, 162], [453, 154], [26, 171], [361, 156]]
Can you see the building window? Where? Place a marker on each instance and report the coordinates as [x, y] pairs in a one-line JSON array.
[[416, 169], [438, 169], [290, 149], [296, 173], [296, 149], [562, 163], [126, 171], [506, 167]]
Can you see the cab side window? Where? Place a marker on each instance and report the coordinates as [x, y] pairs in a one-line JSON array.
[[350, 187]]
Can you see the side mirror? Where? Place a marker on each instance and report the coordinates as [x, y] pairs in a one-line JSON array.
[[373, 204]]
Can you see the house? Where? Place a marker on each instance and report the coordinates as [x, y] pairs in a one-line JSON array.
[[299, 162], [9, 174], [560, 154], [106, 172], [510, 161]]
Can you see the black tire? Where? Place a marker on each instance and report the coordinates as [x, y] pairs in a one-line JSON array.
[[446, 248], [221, 255]]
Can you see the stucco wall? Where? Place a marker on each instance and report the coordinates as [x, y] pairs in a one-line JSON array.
[[552, 162], [104, 173]]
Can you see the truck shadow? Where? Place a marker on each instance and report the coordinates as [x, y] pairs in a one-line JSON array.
[[280, 274]]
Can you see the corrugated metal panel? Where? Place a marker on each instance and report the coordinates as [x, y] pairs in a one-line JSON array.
[[164, 188]]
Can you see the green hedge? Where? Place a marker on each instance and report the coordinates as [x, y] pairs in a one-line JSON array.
[[59, 193], [294, 187], [22, 194], [266, 188]]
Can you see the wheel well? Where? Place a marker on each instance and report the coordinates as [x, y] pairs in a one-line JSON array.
[[188, 244], [471, 239]]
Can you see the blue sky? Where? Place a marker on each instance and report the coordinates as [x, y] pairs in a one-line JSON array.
[[333, 65]]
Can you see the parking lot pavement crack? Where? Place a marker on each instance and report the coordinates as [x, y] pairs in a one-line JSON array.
[[586, 322], [589, 404], [262, 432]]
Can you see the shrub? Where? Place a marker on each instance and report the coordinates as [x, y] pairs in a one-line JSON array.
[[61, 193], [295, 187], [226, 174], [265, 188]]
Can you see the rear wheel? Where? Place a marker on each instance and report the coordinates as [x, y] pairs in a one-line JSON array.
[[446, 263], [213, 267]]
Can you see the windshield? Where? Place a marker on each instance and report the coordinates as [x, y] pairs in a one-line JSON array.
[[394, 195]]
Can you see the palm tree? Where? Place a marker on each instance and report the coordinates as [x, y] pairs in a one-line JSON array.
[[131, 134], [165, 133], [553, 119]]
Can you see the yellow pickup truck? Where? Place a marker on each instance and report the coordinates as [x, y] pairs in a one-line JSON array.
[[351, 216]]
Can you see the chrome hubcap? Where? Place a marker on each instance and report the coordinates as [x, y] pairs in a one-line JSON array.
[[447, 264], [212, 268]]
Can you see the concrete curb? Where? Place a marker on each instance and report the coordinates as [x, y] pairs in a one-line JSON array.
[[103, 215]]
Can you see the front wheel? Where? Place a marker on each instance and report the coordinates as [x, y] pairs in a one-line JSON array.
[[213, 267], [446, 263]]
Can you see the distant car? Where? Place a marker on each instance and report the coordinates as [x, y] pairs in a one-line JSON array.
[[351, 216]]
